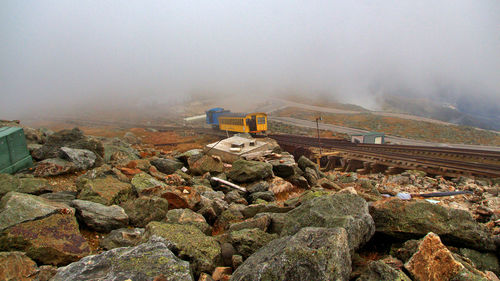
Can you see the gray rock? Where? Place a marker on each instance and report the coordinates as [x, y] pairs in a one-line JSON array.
[[304, 163], [311, 176], [299, 181], [145, 209], [16, 208], [348, 211], [123, 237], [99, 217], [251, 210], [167, 166], [264, 195], [249, 171], [311, 254], [186, 216], [186, 156], [143, 181], [284, 167], [117, 150], [483, 261], [258, 187], [414, 219], [377, 270], [148, 261], [277, 221], [69, 138], [236, 197], [206, 164], [64, 197], [83, 159]]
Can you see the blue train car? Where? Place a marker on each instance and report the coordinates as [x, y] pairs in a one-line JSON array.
[[213, 115]]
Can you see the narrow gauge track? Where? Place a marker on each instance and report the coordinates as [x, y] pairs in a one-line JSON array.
[[458, 161]]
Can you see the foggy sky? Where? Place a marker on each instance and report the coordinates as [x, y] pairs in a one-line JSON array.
[[66, 53]]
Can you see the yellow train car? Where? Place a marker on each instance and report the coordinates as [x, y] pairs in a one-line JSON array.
[[244, 122]]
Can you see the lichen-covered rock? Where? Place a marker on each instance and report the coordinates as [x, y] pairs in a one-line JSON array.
[[145, 209], [190, 243], [348, 211], [167, 166], [251, 210], [187, 216], [415, 218], [378, 270], [16, 208], [277, 221], [311, 254], [53, 167], [306, 196], [99, 217], [16, 266], [54, 240], [123, 237], [249, 171], [105, 190], [483, 261], [258, 187], [182, 197], [143, 181], [433, 261], [207, 163], [327, 184], [22, 184], [248, 241], [148, 261]]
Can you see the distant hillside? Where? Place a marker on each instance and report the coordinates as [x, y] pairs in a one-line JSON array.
[[463, 113], [418, 130]]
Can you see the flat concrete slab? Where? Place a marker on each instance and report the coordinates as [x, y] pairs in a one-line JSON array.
[[233, 148]]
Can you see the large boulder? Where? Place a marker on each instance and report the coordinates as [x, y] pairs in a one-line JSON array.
[[123, 237], [414, 219], [311, 254], [99, 217], [190, 243], [53, 167], [105, 190], [167, 166], [433, 261], [145, 209], [249, 171], [187, 216], [16, 208], [148, 261], [248, 241], [16, 266], [207, 163], [55, 239], [23, 184], [72, 139], [83, 159], [348, 211]]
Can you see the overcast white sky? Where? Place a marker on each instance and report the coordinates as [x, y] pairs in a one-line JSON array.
[[66, 53]]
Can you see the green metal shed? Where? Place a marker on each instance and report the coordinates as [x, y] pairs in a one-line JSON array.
[[14, 154]]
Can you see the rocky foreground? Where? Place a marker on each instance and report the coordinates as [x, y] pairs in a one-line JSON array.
[[135, 213]]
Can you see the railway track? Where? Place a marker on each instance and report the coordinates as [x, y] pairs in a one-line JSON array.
[[437, 160]]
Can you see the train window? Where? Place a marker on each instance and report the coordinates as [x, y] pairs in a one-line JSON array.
[[261, 120], [231, 121]]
